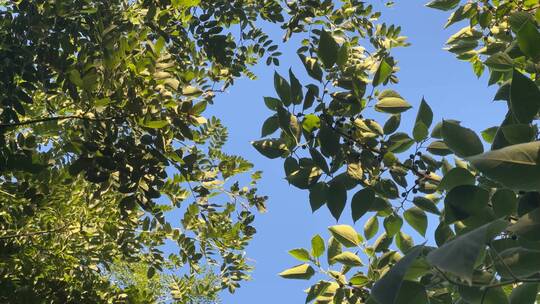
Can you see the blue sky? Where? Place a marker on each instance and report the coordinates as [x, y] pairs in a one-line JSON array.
[[449, 86]]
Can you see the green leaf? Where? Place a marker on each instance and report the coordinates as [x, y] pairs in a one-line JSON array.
[[426, 204], [500, 62], [424, 119], [386, 290], [528, 226], [371, 227], [459, 255], [348, 258], [271, 148], [283, 89], [438, 147], [334, 248], [412, 293], [270, 125], [464, 201], [443, 233], [318, 196], [489, 134], [156, 124], [392, 124], [354, 170], [272, 103], [463, 141], [311, 122], [343, 55], [361, 202], [494, 295], [444, 5], [456, 177], [300, 272], [399, 142], [296, 89], [191, 91], [383, 72], [404, 242], [300, 254], [521, 261], [392, 224], [391, 102], [328, 49], [336, 199], [524, 98], [317, 290], [319, 160], [304, 177], [312, 67], [515, 166], [346, 235], [528, 37], [417, 219], [317, 246], [524, 294], [518, 133], [329, 140], [504, 202]]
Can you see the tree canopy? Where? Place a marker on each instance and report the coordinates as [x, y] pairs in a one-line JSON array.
[[107, 154]]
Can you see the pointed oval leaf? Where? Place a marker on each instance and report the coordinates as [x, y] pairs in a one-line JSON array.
[[346, 235], [463, 141]]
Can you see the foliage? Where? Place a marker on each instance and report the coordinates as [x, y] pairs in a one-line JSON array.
[[105, 155], [487, 202]]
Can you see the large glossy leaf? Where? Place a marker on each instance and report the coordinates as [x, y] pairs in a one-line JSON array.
[[346, 235], [318, 194], [391, 102], [517, 166], [524, 98], [362, 202], [371, 227], [392, 224], [283, 89], [528, 226], [504, 202], [317, 246], [459, 255], [528, 36], [417, 219], [524, 294], [426, 204], [456, 177], [329, 140], [271, 148], [336, 199], [521, 261], [386, 290], [312, 67], [424, 118], [464, 201], [304, 177], [328, 49], [463, 141], [334, 248], [412, 293], [300, 272], [348, 258], [300, 254], [444, 5]]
